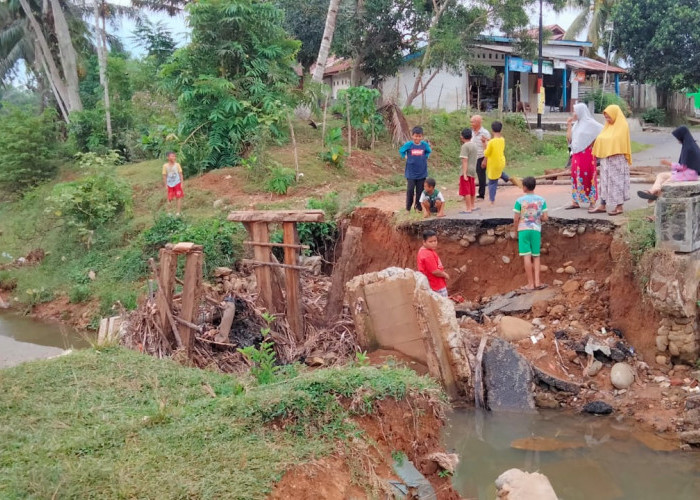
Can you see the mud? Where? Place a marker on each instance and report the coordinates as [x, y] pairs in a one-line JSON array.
[[411, 426]]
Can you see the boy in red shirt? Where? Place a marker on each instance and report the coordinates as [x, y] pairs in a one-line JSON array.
[[429, 263]]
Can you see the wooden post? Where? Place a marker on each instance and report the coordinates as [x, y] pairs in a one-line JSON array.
[[295, 316], [190, 296], [168, 266]]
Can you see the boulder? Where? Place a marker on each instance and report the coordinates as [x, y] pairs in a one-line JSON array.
[[487, 239], [598, 408], [515, 484], [570, 270], [621, 375], [571, 286], [508, 378], [557, 311], [514, 329], [595, 367]]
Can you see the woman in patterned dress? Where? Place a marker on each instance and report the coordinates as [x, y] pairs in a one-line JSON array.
[[582, 130], [614, 148]]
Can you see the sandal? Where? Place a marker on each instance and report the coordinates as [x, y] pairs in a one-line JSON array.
[[572, 207], [597, 210], [615, 212], [542, 286], [647, 195]]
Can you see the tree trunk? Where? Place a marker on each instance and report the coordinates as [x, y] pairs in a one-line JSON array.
[[101, 39], [326, 41], [68, 57], [44, 54], [357, 57]]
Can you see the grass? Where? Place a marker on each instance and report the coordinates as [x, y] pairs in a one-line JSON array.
[[118, 424]]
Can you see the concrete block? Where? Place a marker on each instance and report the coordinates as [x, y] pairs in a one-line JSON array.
[[678, 217]]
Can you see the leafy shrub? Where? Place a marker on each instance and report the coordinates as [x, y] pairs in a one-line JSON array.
[[516, 120], [335, 154], [363, 110], [602, 100], [367, 188], [94, 200], [654, 115], [28, 148], [79, 293], [329, 204], [280, 179], [264, 360]]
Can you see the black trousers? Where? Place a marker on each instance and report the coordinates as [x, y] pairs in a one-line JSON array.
[[481, 174], [411, 186]]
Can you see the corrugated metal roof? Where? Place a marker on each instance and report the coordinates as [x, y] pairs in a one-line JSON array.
[[508, 49], [592, 65]]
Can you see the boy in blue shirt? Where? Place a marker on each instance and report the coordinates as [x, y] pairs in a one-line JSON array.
[[416, 153], [530, 211]]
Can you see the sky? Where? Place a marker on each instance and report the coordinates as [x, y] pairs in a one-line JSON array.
[[179, 29]]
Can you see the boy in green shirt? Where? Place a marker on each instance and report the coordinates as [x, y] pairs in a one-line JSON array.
[[530, 211]]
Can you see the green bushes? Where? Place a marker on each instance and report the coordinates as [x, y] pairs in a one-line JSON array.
[[604, 99], [29, 148], [516, 120], [335, 154], [654, 115], [280, 180]]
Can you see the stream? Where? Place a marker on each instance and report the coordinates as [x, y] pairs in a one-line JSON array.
[[26, 339], [601, 458]]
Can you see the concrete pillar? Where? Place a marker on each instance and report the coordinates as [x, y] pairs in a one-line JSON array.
[[564, 81], [678, 217]]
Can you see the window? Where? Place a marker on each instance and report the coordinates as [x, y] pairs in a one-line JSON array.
[[490, 56]]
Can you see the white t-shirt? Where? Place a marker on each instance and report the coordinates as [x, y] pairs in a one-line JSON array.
[[437, 195]]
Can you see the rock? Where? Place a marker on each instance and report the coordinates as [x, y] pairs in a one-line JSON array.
[[555, 382], [446, 461], [590, 286], [220, 272], [508, 378], [571, 286], [691, 437], [539, 308], [595, 367], [568, 233], [560, 270], [558, 282], [218, 203], [464, 243], [92, 275], [598, 408], [570, 270], [557, 311], [568, 263], [692, 402], [487, 239], [506, 260], [622, 375], [476, 279], [544, 268], [515, 484], [546, 400], [514, 329], [312, 263], [581, 229]]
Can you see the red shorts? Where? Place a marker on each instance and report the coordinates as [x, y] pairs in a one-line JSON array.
[[468, 187], [175, 192]]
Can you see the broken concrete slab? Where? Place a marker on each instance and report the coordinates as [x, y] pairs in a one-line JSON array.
[[512, 303], [508, 378], [395, 309], [417, 484], [555, 382]]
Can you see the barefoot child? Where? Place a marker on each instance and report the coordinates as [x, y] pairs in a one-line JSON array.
[[431, 200], [172, 178], [495, 159], [430, 264], [468, 155], [530, 211], [416, 153]]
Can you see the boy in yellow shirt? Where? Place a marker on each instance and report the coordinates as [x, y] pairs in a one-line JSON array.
[[495, 160]]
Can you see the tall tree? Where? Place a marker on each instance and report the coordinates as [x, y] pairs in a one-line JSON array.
[[661, 39], [101, 46], [593, 18], [326, 41], [305, 21]]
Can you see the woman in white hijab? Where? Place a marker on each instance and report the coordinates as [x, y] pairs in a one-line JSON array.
[[581, 132]]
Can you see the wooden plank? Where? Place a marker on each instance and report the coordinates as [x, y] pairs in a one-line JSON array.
[[258, 263], [190, 297], [277, 216], [166, 280], [275, 245], [260, 232], [295, 315], [343, 271]]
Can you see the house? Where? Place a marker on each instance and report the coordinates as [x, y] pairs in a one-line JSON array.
[[567, 75]]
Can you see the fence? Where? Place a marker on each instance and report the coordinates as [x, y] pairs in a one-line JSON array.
[[641, 96]]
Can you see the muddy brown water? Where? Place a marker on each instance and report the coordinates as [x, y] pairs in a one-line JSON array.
[[25, 339], [602, 458]]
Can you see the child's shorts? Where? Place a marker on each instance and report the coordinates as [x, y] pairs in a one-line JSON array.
[[468, 187], [529, 242], [442, 292], [175, 192]]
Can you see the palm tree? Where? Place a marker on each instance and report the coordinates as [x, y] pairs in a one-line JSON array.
[[594, 15], [326, 41]]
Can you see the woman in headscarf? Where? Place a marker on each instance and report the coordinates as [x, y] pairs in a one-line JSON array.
[[581, 132], [687, 168], [614, 148]]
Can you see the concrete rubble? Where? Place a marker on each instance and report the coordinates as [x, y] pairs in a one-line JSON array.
[[396, 309]]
